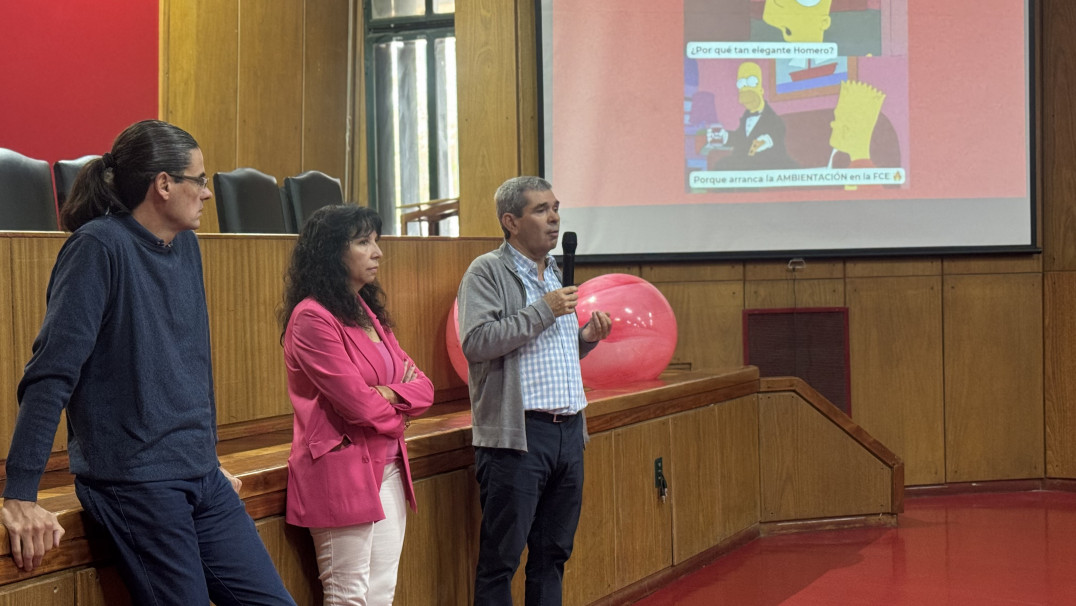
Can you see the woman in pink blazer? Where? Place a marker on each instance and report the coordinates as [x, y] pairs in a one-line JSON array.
[[353, 390]]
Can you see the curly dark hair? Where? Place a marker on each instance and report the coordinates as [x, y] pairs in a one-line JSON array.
[[318, 270]]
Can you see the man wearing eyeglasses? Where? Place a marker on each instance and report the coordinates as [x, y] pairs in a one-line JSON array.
[[124, 349]]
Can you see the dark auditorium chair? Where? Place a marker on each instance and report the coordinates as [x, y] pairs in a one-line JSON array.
[[26, 198], [65, 172], [249, 201], [310, 191]]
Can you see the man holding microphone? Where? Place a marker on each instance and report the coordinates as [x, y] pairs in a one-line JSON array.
[[519, 332]]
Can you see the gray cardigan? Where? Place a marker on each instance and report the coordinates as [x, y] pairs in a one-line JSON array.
[[495, 322]]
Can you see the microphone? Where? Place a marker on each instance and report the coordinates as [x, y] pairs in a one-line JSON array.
[[568, 242]]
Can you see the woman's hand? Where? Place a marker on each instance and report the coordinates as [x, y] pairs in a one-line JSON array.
[[410, 372], [388, 394]]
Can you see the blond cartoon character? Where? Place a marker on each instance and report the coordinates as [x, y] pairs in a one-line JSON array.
[[854, 118], [759, 142], [798, 20]]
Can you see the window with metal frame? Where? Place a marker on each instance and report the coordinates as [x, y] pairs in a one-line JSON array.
[[410, 68]]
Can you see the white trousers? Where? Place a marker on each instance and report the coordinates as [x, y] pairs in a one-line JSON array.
[[358, 564]]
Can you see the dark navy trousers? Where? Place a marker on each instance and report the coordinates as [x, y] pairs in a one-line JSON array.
[[529, 499], [184, 542]]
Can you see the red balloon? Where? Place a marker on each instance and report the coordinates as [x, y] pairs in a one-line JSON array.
[[452, 342], [643, 337], [638, 348]]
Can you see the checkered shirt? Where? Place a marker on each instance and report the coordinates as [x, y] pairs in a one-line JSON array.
[[549, 365]]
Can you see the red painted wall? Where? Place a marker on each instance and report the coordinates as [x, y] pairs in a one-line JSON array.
[[74, 73]]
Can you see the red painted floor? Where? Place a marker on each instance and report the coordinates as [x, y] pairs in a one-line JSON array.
[[967, 550]]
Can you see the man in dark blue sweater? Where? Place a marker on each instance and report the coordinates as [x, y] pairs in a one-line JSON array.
[[125, 348]]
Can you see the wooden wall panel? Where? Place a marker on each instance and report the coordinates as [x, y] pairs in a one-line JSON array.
[[488, 100], [244, 285], [244, 279], [10, 369], [643, 523], [421, 278], [738, 474], [100, 587], [1059, 293], [879, 268], [769, 294], [1058, 75], [527, 68], [448, 514], [591, 572], [813, 269], [709, 327], [799, 293], [895, 342], [984, 264], [714, 478], [292, 552], [325, 83], [993, 377], [52, 590], [587, 272], [270, 89], [358, 185], [695, 482], [820, 293], [200, 58], [31, 265], [693, 272], [777, 294], [810, 469], [32, 259]]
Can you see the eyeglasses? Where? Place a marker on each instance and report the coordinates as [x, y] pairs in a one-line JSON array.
[[202, 182]]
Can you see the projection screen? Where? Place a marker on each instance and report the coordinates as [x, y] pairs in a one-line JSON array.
[[687, 129]]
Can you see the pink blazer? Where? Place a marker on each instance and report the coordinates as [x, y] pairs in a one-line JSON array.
[[343, 427]]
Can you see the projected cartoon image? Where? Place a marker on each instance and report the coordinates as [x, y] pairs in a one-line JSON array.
[[806, 76], [907, 125], [798, 20], [759, 141], [853, 124], [855, 28], [854, 121], [793, 70]]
